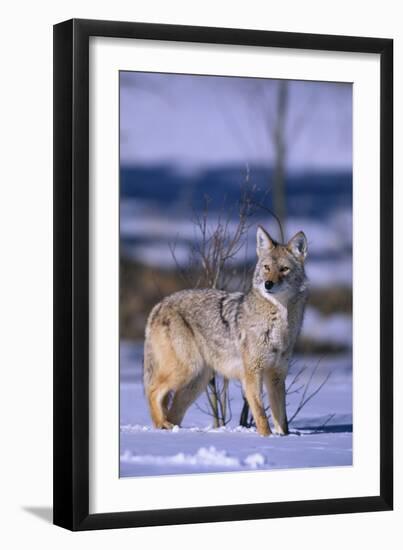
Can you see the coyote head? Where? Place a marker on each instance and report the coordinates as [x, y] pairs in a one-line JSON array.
[[280, 270]]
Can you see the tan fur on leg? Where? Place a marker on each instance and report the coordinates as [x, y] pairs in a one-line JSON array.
[[156, 396], [252, 384], [275, 383], [185, 396]]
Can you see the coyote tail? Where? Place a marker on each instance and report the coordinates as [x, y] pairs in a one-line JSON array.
[[148, 368]]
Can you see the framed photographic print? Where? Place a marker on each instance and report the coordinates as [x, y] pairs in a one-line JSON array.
[[223, 320]]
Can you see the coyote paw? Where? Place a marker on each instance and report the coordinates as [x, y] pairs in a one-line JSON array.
[[165, 425], [281, 431], [264, 431]]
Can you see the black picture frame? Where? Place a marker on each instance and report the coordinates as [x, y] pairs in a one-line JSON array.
[[72, 285]]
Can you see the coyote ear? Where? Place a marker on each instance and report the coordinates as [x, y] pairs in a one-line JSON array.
[[264, 243], [298, 246]]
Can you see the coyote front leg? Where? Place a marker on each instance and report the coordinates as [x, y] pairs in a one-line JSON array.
[[252, 384], [275, 384]]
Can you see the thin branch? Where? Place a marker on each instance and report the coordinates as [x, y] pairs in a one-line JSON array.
[[181, 271], [269, 211], [320, 429], [307, 397]]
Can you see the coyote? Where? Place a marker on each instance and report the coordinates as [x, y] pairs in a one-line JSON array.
[[192, 334]]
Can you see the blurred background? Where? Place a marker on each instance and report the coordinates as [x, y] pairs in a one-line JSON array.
[[204, 158]]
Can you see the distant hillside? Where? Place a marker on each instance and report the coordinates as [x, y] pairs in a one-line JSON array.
[[308, 194]]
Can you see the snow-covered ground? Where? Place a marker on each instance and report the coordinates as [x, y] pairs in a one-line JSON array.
[[321, 434]]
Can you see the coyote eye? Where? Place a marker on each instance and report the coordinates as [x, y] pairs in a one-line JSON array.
[[284, 269], [267, 268]]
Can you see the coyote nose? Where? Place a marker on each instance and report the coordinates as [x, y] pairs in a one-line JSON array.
[[268, 285]]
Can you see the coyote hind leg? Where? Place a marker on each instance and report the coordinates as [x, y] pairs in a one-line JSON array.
[[158, 396], [171, 360], [186, 395]]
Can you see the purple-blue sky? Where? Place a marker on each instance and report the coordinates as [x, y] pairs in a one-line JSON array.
[[197, 121]]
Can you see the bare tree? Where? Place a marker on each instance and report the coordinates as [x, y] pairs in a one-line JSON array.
[[279, 139], [271, 104], [282, 125]]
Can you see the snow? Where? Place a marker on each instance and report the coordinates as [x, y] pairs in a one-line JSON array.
[[203, 457], [336, 328], [320, 436], [255, 460]]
